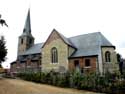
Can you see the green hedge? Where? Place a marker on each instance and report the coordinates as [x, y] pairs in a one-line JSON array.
[[95, 82]]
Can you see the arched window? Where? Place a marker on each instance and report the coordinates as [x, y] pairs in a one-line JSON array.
[[54, 55], [107, 56]]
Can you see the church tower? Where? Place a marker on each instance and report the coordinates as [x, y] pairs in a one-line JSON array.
[[26, 40]]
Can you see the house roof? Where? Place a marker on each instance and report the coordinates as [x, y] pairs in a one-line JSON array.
[[88, 44], [36, 48]]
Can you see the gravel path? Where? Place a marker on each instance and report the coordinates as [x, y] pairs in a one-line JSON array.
[[15, 86]]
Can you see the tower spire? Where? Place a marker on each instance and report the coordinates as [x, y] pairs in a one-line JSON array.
[[27, 27], [26, 40]]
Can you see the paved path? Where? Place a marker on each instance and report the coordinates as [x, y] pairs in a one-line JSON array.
[[14, 86]]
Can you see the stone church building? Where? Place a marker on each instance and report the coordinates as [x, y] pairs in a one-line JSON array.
[[85, 53]]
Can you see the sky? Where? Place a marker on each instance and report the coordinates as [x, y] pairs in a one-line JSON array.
[[69, 17]]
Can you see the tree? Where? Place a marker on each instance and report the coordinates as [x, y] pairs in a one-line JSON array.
[[3, 50]]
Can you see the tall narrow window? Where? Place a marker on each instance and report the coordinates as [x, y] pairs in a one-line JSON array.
[[107, 56], [76, 63], [54, 55], [87, 62], [21, 41], [30, 41]]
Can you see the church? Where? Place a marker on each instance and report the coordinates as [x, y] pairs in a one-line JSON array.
[[85, 53]]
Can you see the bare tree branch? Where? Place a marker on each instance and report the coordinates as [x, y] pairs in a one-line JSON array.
[[3, 22]]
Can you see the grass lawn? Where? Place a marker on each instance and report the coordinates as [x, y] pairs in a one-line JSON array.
[[16, 86]]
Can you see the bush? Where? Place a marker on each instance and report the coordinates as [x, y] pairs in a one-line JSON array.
[[92, 81]]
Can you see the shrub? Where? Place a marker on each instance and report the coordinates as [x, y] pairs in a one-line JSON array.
[[92, 81]]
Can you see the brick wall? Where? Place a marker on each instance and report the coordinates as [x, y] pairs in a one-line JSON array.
[[91, 68]]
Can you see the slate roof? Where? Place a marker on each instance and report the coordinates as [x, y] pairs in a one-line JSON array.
[[27, 26], [88, 44], [36, 48]]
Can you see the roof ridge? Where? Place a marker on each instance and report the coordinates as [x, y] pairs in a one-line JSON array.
[[84, 34], [58, 32], [65, 39]]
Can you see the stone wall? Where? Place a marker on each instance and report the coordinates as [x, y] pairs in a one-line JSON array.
[[22, 47], [54, 40], [109, 66], [70, 51]]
